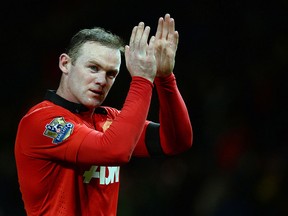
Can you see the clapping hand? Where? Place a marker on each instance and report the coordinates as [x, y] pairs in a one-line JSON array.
[[166, 43]]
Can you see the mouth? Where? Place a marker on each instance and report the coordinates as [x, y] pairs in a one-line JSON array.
[[97, 92]]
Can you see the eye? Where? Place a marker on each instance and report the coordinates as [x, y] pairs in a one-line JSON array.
[[111, 74], [94, 68]]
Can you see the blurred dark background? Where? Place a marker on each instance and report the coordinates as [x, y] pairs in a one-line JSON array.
[[231, 68]]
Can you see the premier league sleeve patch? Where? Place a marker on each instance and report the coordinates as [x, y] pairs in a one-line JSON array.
[[58, 129]]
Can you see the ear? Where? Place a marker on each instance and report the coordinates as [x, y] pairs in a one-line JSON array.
[[64, 62]]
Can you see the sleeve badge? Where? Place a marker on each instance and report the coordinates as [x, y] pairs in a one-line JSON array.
[[58, 129]]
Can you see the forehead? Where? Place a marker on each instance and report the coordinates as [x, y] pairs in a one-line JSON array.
[[94, 51]]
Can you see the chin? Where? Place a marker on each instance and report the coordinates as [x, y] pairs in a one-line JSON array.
[[92, 102], [93, 105]]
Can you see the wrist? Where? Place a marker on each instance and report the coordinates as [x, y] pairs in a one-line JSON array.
[[165, 77]]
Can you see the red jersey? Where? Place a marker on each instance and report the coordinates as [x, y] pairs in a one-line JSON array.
[[68, 163]]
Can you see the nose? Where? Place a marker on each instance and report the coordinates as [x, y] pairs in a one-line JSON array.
[[101, 78]]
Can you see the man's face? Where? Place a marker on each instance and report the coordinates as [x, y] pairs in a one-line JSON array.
[[92, 75]]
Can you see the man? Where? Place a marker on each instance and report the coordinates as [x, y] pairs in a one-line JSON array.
[[69, 148]]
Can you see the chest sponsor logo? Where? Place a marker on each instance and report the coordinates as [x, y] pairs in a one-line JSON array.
[[106, 175], [58, 129]]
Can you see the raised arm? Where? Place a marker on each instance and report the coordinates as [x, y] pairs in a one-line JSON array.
[[175, 127], [118, 142], [173, 134]]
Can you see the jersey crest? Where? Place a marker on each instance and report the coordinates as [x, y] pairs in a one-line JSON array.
[[58, 129]]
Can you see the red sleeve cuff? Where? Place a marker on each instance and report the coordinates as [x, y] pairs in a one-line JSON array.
[[170, 78]]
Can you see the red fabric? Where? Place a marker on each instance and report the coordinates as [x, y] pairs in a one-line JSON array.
[[78, 174], [116, 145], [176, 133]]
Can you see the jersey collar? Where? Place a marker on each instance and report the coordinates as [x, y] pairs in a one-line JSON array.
[[73, 107]]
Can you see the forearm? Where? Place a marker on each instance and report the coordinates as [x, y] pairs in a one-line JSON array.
[[176, 133], [116, 145]]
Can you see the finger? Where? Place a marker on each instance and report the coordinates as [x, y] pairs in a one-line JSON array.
[[132, 37], [151, 46], [166, 26], [126, 52], [173, 39], [138, 35], [159, 28], [171, 26], [173, 35], [144, 38]]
